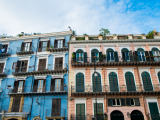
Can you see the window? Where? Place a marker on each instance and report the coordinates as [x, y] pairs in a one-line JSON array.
[[21, 66], [42, 65], [132, 102], [130, 81], [110, 55], [147, 81], [125, 55], [60, 44], [44, 46], [141, 54], [116, 102], [79, 82], [57, 84], [1, 67], [56, 107], [113, 82], [26, 46], [40, 85], [96, 83], [3, 48], [156, 54], [58, 63], [14, 65], [79, 55], [16, 104], [95, 55], [80, 111], [20, 87]]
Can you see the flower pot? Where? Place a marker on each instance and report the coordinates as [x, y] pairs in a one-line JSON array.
[[95, 57]]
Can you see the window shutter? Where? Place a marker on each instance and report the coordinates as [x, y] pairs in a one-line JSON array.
[[58, 63], [16, 83], [52, 88], [123, 102], [151, 56], [128, 102], [100, 57], [74, 59], [109, 102], [16, 104], [40, 46], [30, 46], [22, 46], [25, 66], [55, 43], [63, 42], [18, 66], [123, 56], [85, 57], [44, 85], [137, 103], [116, 56], [135, 54], [62, 84], [78, 109], [131, 56], [35, 85], [147, 56], [56, 107], [1, 67], [48, 45], [42, 64], [23, 86]]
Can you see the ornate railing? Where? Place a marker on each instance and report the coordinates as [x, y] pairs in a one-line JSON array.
[[55, 113], [6, 53], [16, 108], [3, 72], [25, 50]]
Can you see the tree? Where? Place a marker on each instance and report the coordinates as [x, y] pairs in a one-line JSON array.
[[104, 32], [150, 35]]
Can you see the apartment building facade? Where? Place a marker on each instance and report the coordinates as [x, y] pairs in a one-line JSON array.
[[34, 76], [121, 73]]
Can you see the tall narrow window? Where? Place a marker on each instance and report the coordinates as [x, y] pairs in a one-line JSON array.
[[125, 55], [42, 64], [44, 46], [80, 111], [141, 54], [56, 107], [21, 66], [110, 55], [20, 87], [113, 82], [95, 55], [1, 67], [96, 83], [27, 47], [57, 84], [130, 81], [79, 55], [147, 81], [60, 44], [16, 104], [156, 54], [40, 86], [58, 63], [79, 82]]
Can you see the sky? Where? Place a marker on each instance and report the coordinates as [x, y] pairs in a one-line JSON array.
[[83, 16]]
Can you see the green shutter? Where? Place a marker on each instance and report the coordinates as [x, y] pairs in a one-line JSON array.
[[85, 57], [130, 81], [113, 82], [123, 57], [116, 56], [147, 56], [97, 83], [151, 56], [131, 56], [154, 111], [74, 59], [147, 82], [135, 55], [123, 102], [137, 103], [99, 108], [80, 82], [109, 102], [80, 109], [159, 76], [100, 57], [128, 101]]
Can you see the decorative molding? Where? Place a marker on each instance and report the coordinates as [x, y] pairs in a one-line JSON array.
[[20, 78], [29, 40], [60, 38], [156, 67], [109, 45], [42, 56], [144, 67], [24, 58], [40, 77], [112, 68], [57, 76], [128, 68], [58, 54], [79, 68], [94, 45], [96, 68], [80, 46], [3, 60], [4, 43], [44, 39], [124, 45]]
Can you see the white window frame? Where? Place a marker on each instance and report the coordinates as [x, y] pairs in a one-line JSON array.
[[99, 100], [42, 57], [4, 61], [116, 101], [80, 101], [24, 58], [5, 43], [133, 101]]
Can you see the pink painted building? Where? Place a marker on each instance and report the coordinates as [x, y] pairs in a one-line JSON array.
[[120, 72]]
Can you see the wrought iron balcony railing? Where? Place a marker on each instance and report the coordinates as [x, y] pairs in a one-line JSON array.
[[3, 72], [25, 50], [58, 48], [100, 116], [41, 69], [16, 108], [39, 89], [55, 113], [113, 88], [5, 53]]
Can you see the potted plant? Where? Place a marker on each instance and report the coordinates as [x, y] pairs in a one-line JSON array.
[[80, 57], [94, 56], [51, 46], [73, 57]]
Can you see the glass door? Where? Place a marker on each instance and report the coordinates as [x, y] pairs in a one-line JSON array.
[[57, 85], [40, 86], [20, 87]]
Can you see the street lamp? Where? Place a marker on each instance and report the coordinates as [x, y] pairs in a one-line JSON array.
[[95, 75]]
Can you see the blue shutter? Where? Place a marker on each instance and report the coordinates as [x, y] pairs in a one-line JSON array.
[[116, 56]]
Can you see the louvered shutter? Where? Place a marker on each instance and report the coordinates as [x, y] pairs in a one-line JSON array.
[[44, 85], [82, 109], [151, 56], [1, 67], [137, 103], [131, 56], [85, 57], [55, 43], [6, 47], [116, 56], [130, 81], [128, 101], [16, 104], [62, 84], [18, 66], [147, 56], [63, 42], [58, 63], [15, 89], [42, 65], [100, 57], [35, 85], [100, 108], [147, 82], [109, 102], [40, 46], [74, 59], [93, 59], [113, 81], [56, 107], [123, 102], [52, 88], [30, 46], [48, 45], [23, 86], [24, 67], [123, 57], [22, 46], [79, 82], [78, 109], [135, 54], [159, 76]]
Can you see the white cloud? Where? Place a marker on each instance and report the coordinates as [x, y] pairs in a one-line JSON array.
[[84, 16]]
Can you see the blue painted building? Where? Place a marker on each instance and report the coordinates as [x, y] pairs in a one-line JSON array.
[[34, 76]]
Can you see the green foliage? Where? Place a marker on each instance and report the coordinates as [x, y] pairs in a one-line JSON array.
[[140, 37], [73, 56], [104, 32], [3, 37], [20, 35], [80, 38], [150, 35], [90, 38], [103, 56], [73, 33], [84, 34]]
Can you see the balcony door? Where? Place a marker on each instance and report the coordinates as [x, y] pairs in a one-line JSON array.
[[16, 104], [147, 84], [56, 108], [39, 85], [141, 54], [21, 66], [26, 46], [57, 85], [156, 54], [153, 107], [79, 55], [19, 86], [79, 82], [125, 55], [80, 111], [58, 63], [42, 65], [1, 67], [113, 82], [130, 81], [95, 55], [3, 48], [96, 80]]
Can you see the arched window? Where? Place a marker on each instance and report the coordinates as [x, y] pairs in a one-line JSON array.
[[125, 54], [110, 55], [147, 81], [117, 115], [130, 81], [79, 82], [113, 82], [141, 54], [156, 54], [137, 115], [96, 83], [79, 55], [159, 76], [95, 55]]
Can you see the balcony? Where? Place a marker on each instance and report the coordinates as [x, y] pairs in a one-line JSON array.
[[58, 48], [100, 116], [25, 50], [55, 113], [127, 61], [47, 90], [3, 72], [116, 90], [40, 70], [6, 53]]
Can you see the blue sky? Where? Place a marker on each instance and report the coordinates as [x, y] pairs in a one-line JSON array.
[[84, 16]]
